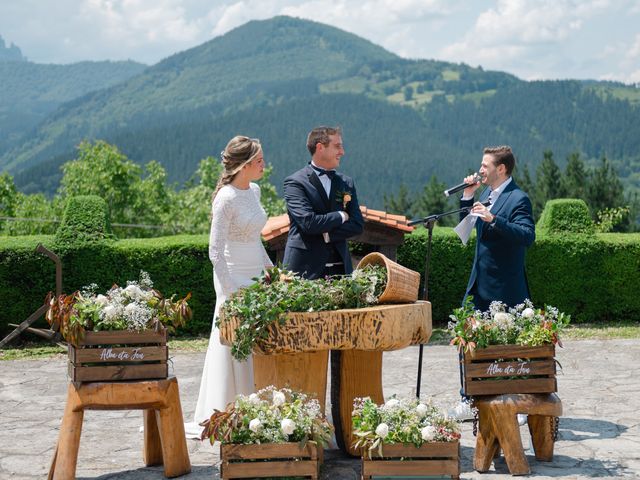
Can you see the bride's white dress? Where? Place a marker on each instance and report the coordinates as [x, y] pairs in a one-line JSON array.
[[238, 256]]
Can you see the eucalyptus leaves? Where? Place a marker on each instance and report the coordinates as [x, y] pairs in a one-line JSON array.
[[278, 292]]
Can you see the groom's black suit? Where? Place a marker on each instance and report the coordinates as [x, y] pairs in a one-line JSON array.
[[312, 213]]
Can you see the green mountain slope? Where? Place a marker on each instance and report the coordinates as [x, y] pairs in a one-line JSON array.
[[31, 91], [404, 120]]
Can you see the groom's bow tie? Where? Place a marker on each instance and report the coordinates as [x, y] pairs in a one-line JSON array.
[[322, 171]]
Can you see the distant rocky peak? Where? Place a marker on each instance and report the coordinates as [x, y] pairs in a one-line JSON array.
[[10, 53]]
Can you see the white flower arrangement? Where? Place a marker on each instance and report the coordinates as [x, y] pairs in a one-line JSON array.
[[135, 307], [500, 325], [400, 420], [270, 415]]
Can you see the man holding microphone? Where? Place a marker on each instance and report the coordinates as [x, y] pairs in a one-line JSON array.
[[504, 230]]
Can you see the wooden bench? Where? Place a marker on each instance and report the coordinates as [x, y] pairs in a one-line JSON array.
[[164, 437], [498, 428]]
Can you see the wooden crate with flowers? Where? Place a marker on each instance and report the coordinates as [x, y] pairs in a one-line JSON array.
[[405, 437], [271, 433], [121, 335], [507, 350]]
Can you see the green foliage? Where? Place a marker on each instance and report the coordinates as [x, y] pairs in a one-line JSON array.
[[85, 220], [610, 217], [256, 307], [565, 215]]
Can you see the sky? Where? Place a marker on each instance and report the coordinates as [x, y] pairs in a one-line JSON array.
[[532, 39]]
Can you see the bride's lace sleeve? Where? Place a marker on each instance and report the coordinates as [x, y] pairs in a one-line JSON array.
[[220, 222], [265, 257]]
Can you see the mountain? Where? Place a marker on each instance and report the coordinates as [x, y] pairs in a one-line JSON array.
[[403, 120], [10, 53], [30, 91]]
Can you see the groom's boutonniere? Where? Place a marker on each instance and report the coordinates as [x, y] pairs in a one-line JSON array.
[[344, 198]]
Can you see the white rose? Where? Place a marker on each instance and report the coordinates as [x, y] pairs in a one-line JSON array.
[[428, 433], [134, 291], [278, 398], [102, 300], [382, 430], [528, 313], [109, 311], [501, 317], [254, 425], [392, 403], [287, 426], [254, 399], [421, 409]]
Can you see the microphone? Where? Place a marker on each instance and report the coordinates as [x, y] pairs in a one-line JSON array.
[[462, 186]]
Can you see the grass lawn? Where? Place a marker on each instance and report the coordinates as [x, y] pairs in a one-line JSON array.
[[30, 350]]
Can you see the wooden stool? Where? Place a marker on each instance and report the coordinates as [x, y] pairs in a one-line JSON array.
[[164, 438], [498, 428]]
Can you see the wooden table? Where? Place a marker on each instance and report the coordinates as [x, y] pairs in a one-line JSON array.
[[296, 354], [164, 437]]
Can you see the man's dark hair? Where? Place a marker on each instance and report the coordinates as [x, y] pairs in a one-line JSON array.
[[321, 135], [502, 156]]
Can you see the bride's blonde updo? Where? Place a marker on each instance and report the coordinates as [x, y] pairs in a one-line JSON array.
[[239, 151]]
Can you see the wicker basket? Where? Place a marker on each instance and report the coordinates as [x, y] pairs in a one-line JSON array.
[[402, 283]]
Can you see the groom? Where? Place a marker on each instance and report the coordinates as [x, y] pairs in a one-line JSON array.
[[323, 213], [323, 210]]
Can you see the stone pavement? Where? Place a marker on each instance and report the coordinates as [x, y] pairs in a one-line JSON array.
[[599, 434]]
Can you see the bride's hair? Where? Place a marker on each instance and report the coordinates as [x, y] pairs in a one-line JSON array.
[[238, 151]]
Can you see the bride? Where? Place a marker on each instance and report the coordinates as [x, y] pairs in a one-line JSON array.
[[237, 254]]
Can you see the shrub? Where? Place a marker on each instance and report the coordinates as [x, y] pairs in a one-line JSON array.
[[85, 219], [565, 215]]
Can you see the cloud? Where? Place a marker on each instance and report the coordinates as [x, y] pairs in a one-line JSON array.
[[519, 29]]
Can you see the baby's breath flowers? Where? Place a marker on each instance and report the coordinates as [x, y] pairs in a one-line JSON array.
[[269, 416]]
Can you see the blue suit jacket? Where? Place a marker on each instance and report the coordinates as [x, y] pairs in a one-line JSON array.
[[498, 267], [310, 214]]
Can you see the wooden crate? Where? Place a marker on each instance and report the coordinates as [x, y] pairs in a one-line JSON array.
[[270, 460], [119, 355], [499, 369], [407, 460]]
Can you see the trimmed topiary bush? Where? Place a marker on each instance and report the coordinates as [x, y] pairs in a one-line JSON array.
[[565, 215], [85, 219]]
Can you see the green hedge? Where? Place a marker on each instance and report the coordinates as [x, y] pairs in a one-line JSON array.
[[565, 215], [85, 220], [592, 277], [177, 264]]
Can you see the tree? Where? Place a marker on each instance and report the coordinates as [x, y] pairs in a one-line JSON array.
[[432, 200], [575, 177], [408, 93], [8, 195], [401, 204], [549, 182], [524, 181], [604, 189]]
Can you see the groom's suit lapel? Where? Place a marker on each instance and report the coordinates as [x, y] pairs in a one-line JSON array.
[[315, 181]]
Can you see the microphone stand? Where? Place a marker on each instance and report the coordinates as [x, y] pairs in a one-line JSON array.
[[429, 223]]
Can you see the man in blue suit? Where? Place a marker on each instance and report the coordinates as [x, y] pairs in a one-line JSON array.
[[323, 210], [505, 229]]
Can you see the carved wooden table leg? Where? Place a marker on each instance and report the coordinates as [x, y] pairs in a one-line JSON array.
[[172, 437], [360, 376], [505, 425], [542, 436], [306, 372]]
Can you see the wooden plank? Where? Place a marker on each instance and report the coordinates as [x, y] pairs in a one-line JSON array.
[[266, 451], [124, 337], [509, 369], [435, 449], [269, 469], [495, 387], [410, 467], [509, 352], [118, 354], [117, 372]]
